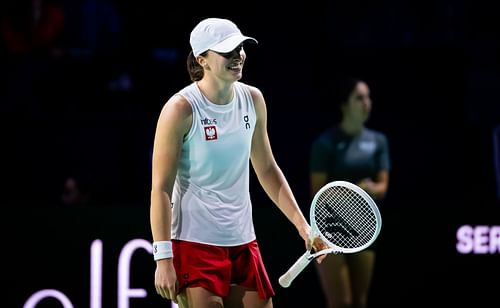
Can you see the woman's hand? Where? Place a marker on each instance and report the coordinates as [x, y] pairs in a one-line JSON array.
[[313, 243]]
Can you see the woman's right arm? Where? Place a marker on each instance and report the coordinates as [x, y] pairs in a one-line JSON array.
[[173, 123]]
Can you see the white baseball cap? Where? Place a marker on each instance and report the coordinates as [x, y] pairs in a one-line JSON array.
[[217, 34]]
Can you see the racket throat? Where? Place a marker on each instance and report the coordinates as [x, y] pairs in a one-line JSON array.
[[324, 252], [313, 256]]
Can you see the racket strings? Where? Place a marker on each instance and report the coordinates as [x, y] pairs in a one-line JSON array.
[[345, 218]]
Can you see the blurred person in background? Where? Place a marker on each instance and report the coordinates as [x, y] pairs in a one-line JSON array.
[[76, 191], [350, 151]]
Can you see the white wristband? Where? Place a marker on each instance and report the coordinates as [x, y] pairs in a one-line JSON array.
[[162, 250]]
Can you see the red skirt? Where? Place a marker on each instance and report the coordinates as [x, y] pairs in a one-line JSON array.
[[216, 268]]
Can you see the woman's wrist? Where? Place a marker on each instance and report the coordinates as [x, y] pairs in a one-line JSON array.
[[162, 250]]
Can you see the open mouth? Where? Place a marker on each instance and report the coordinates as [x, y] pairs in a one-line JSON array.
[[235, 66]]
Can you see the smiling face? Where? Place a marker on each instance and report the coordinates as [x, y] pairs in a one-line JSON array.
[[225, 66]]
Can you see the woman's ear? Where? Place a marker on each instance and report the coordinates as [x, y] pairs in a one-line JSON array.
[[202, 61]]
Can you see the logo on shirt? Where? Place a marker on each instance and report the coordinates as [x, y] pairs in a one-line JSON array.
[[209, 128], [246, 119], [210, 133], [367, 146], [207, 121]]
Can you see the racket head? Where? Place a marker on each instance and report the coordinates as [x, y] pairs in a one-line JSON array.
[[345, 217]]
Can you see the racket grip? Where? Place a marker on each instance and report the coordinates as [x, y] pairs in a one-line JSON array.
[[286, 279]]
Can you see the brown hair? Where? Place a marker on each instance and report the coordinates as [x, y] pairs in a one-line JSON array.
[[195, 70]]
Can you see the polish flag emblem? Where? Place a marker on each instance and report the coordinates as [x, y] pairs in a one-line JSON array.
[[210, 133]]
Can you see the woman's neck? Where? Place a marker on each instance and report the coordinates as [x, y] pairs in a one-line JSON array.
[[351, 128], [217, 93]]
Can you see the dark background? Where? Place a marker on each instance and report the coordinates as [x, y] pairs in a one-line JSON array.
[[84, 99]]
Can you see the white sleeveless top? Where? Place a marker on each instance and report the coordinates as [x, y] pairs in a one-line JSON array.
[[211, 199]]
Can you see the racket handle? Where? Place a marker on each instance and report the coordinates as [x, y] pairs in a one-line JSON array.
[[286, 279]]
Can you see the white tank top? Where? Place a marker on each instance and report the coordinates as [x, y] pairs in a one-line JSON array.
[[211, 199]]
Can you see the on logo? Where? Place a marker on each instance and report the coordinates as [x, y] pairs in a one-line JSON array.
[[210, 133], [247, 125]]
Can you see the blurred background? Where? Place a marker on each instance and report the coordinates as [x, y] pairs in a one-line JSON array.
[[82, 83]]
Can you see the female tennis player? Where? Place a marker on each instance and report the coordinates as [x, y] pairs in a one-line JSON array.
[[201, 215]]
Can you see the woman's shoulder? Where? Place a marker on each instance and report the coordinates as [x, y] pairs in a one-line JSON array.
[[250, 88], [190, 88], [253, 93], [374, 133], [178, 104], [243, 84], [327, 137]]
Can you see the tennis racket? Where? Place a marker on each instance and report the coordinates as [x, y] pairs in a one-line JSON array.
[[345, 217]]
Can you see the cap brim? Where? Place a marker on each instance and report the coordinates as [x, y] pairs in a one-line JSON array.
[[231, 43]]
